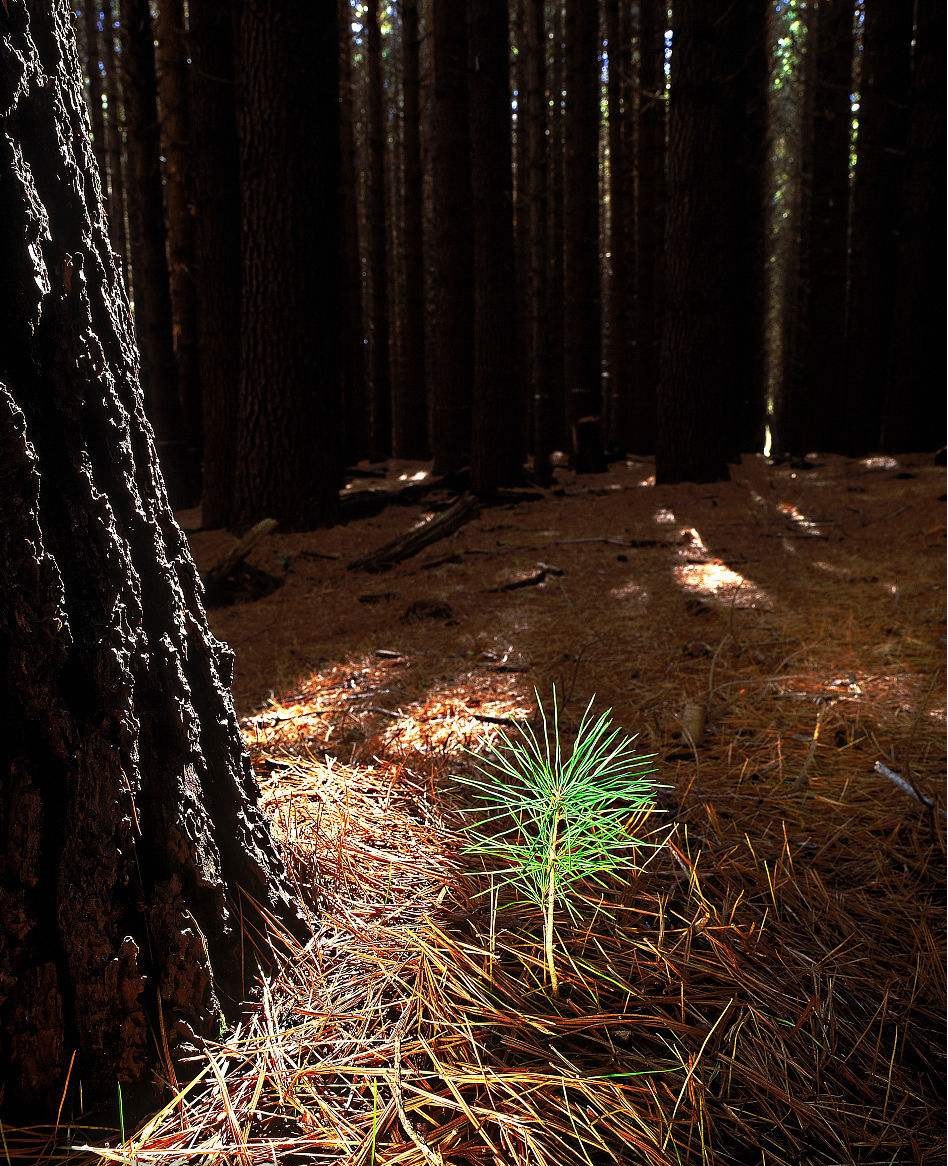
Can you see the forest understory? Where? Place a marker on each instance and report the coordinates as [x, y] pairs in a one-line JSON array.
[[768, 989]]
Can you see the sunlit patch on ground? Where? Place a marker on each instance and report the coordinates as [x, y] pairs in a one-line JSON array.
[[799, 518]]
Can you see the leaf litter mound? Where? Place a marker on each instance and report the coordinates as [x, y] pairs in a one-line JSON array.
[[771, 987]]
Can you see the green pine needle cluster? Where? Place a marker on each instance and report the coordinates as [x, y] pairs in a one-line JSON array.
[[546, 822]]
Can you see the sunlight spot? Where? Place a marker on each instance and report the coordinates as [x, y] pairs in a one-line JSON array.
[[715, 580], [689, 541], [879, 463], [798, 517], [631, 590], [664, 517], [768, 441], [649, 481]]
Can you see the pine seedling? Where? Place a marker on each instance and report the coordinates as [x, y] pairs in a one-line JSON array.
[[547, 823]]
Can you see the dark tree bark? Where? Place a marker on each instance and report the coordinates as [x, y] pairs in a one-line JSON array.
[[747, 125], [146, 218], [450, 267], [559, 425], [410, 423], [217, 275], [581, 293], [539, 307], [497, 448], [380, 369], [114, 146], [354, 403], [621, 302], [708, 390], [128, 818], [176, 146], [915, 408], [289, 460], [812, 396], [876, 216], [649, 223]]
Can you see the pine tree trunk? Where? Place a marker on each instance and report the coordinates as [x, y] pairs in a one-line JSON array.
[[881, 143], [747, 124], [410, 424], [146, 219], [216, 191], [173, 101], [812, 393], [701, 410], [354, 402], [451, 340], [380, 370], [128, 824], [496, 453], [915, 409], [114, 146], [93, 46], [621, 304], [581, 294], [289, 461], [559, 425], [539, 308]]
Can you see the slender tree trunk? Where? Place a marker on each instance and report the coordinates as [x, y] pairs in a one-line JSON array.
[[217, 272], [153, 321], [650, 222], [94, 71], [289, 461], [451, 340], [559, 425], [380, 375], [114, 146], [539, 308], [128, 823], [809, 410], [581, 294], [621, 314], [703, 404], [354, 401], [876, 216], [497, 454], [748, 127], [173, 101], [915, 408], [410, 436]]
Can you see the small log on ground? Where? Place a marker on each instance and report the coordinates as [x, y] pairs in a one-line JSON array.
[[408, 545], [219, 579]]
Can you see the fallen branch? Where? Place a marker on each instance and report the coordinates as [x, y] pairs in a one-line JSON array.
[[219, 579], [543, 571], [906, 786], [410, 544]]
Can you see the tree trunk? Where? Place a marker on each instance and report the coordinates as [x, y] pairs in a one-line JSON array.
[[621, 305], [451, 342], [410, 423], [812, 391], [539, 308], [176, 146], [114, 145], [747, 125], [496, 453], [876, 216], [649, 223], [915, 411], [581, 295], [93, 46], [380, 371], [702, 407], [128, 823], [146, 216], [559, 426], [289, 464]]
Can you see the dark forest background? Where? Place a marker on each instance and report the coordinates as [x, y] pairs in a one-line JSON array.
[[484, 232]]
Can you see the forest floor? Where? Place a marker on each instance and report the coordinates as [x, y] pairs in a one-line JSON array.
[[769, 989]]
